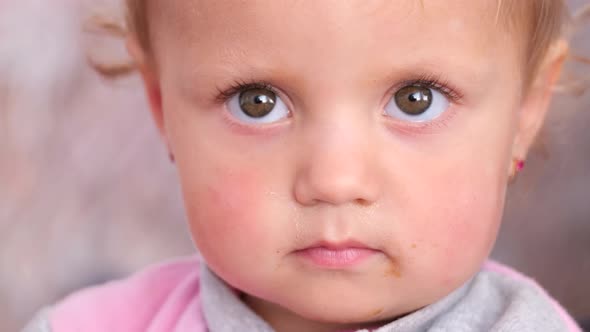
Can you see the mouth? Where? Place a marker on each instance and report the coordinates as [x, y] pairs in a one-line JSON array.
[[336, 255]]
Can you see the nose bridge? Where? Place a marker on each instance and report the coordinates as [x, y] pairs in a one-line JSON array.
[[337, 160]]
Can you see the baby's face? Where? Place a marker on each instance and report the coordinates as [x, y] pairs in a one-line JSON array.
[[342, 161]]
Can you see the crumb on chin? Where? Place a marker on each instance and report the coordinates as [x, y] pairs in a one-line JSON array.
[[393, 270], [376, 313]]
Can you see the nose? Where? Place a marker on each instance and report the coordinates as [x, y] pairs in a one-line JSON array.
[[337, 166]]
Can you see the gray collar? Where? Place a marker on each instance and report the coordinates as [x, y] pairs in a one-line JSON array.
[[222, 308]]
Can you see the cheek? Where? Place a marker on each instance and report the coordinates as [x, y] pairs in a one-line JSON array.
[[223, 209], [233, 195], [471, 224], [458, 219], [460, 228]]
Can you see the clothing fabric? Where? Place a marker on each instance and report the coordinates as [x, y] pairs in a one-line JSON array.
[[185, 296]]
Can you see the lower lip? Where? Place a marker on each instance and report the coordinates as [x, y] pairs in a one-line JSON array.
[[336, 258]]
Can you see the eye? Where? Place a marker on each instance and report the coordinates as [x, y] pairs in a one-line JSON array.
[[257, 106], [417, 103]]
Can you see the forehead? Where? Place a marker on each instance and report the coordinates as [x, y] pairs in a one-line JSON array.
[[329, 17], [333, 31]]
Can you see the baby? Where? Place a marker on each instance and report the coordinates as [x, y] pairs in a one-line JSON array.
[[343, 165]]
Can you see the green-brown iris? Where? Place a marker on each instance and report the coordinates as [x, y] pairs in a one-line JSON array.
[[414, 99], [257, 103]]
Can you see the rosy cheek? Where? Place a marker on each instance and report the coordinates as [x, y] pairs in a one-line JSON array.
[[462, 241], [223, 210]]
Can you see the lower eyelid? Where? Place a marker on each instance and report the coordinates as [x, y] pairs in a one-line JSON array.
[[246, 129], [428, 127]]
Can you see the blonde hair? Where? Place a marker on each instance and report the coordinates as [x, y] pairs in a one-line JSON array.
[[542, 21]]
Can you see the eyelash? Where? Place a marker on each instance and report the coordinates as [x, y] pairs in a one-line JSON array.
[[436, 83], [428, 81], [239, 86]]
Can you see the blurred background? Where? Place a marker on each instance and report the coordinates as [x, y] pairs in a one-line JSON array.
[[87, 193]]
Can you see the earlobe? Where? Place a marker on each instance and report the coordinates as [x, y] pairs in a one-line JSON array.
[[516, 167], [536, 103]]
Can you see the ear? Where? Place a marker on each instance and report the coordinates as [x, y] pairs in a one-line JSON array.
[[151, 82], [538, 98]]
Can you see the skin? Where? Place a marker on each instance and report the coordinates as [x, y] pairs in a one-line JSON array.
[[428, 198]]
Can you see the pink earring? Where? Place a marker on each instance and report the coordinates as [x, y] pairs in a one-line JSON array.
[[171, 156], [517, 167]]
